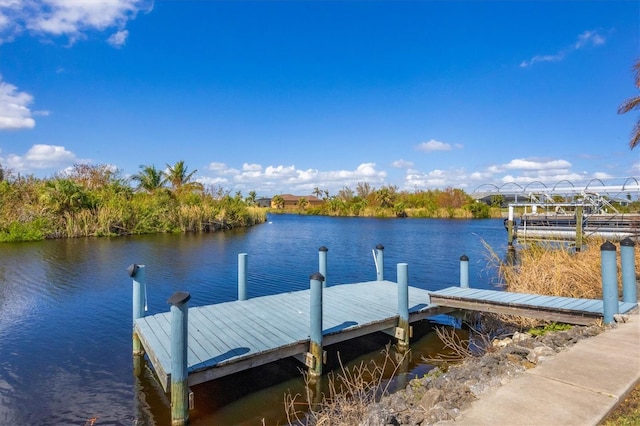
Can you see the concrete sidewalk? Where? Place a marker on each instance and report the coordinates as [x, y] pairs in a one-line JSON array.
[[578, 386]]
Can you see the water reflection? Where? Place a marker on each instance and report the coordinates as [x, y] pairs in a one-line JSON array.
[[65, 309]]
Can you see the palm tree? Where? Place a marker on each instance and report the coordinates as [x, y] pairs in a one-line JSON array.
[[178, 177], [149, 179], [633, 103]]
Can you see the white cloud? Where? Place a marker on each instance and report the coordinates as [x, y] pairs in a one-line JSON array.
[[276, 179], [14, 108], [402, 164], [118, 39], [530, 165], [434, 145], [587, 38], [41, 157], [71, 18]]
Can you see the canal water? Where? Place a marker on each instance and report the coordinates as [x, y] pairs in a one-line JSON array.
[[65, 309]]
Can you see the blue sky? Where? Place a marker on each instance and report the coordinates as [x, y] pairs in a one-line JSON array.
[[285, 96]]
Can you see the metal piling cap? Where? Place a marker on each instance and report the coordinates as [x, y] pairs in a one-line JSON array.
[[464, 258], [323, 248], [317, 276], [607, 246], [380, 247], [179, 298], [627, 242], [132, 270]]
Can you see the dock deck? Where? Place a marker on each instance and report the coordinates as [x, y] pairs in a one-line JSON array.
[[229, 337], [551, 308], [233, 336]]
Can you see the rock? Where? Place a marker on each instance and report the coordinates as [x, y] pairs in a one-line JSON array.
[[430, 398], [441, 396]]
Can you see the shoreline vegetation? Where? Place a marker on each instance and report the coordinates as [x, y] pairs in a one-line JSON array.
[[96, 201]]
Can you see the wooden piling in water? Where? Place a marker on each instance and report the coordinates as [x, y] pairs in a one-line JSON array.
[[464, 271], [316, 355], [179, 345], [379, 259], [242, 276], [403, 331], [322, 260], [137, 272]]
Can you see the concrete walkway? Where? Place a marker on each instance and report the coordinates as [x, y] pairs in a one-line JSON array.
[[578, 386]]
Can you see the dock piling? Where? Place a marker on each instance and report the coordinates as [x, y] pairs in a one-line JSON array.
[[314, 362], [242, 276], [464, 271], [379, 259], [510, 230], [179, 345], [609, 270], [322, 260], [139, 300], [628, 266], [403, 331]]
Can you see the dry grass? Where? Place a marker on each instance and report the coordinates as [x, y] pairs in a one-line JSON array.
[[549, 270], [350, 392]]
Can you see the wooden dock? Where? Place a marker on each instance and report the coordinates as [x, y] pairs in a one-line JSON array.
[[229, 337], [551, 308]]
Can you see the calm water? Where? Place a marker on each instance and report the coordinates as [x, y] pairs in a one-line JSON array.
[[65, 309]]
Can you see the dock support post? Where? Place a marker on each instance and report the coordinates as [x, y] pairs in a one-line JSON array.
[[579, 230], [315, 334], [464, 271], [379, 258], [242, 276], [179, 345], [139, 301], [609, 270], [322, 260], [510, 228], [403, 333], [628, 265]]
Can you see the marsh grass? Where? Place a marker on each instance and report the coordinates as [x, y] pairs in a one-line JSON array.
[[549, 269], [351, 390]]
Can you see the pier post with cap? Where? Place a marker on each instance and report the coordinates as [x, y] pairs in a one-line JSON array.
[[137, 272], [403, 331], [464, 271], [609, 270], [510, 231], [628, 266], [242, 276], [379, 259], [315, 357], [179, 363], [322, 260], [579, 228]]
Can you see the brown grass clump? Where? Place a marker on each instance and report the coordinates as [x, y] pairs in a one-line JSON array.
[[350, 393], [548, 269]]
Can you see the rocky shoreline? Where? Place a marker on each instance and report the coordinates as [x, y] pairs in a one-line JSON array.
[[443, 395]]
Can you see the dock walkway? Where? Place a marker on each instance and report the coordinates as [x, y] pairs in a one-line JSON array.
[[229, 337]]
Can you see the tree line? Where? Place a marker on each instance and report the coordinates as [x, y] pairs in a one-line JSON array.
[[98, 201]]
